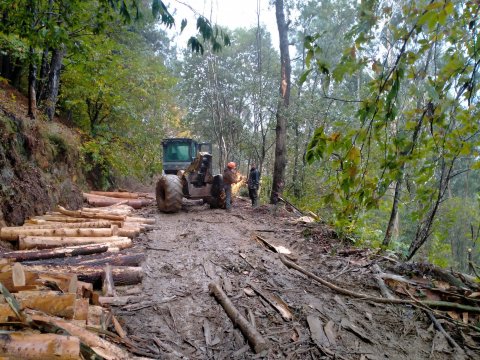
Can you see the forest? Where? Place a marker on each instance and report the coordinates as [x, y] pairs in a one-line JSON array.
[[366, 113]]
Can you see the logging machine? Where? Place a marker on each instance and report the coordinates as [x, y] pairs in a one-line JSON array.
[[187, 172]]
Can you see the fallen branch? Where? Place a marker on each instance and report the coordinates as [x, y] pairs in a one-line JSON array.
[[431, 303], [255, 339]]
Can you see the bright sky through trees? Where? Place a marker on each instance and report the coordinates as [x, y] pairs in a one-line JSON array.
[[226, 13]]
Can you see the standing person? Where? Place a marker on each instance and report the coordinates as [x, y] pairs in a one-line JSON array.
[[230, 176], [253, 184]]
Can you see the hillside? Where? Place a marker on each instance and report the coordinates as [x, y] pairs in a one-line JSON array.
[[39, 162]]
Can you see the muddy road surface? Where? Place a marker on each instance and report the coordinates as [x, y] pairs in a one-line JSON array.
[[175, 317]]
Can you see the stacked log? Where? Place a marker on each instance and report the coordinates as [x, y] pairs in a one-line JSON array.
[[49, 283], [64, 318], [53, 242], [102, 198]]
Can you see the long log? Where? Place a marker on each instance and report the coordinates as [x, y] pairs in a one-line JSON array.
[[45, 242], [47, 219], [256, 340], [12, 234], [116, 209], [115, 194], [135, 203], [102, 347], [115, 259], [91, 215], [28, 346], [72, 251], [122, 275], [140, 220], [83, 224]]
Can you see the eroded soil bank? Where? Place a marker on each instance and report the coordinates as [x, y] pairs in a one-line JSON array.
[[178, 318]]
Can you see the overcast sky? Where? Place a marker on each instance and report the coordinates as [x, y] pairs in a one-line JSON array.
[[226, 13]]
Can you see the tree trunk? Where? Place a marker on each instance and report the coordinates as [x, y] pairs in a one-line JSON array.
[[54, 80], [32, 78], [278, 182], [425, 226], [394, 212]]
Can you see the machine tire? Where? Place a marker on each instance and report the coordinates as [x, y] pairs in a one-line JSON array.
[[218, 198], [169, 194]]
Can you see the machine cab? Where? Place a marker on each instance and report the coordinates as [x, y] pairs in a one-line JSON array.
[[178, 153]]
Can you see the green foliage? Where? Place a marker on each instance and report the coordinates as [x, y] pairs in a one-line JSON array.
[[118, 93], [414, 119]]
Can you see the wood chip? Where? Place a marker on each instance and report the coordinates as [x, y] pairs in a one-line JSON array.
[[316, 331]]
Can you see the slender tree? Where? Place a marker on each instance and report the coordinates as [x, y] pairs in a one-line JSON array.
[[278, 181]]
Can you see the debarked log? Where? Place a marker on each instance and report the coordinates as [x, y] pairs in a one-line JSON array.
[[46, 242], [90, 215], [49, 302], [13, 233], [101, 202], [71, 251], [256, 340], [39, 346], [115, 259], [122, 275], [102, 347], [115, 194], [83, 224]]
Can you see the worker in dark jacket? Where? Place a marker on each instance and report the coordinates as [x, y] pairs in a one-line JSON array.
[[230, 176], [253, 185]]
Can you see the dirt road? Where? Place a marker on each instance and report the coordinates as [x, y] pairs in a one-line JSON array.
[[178, 318]]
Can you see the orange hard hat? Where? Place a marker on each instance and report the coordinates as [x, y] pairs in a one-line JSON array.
[[231, 165]]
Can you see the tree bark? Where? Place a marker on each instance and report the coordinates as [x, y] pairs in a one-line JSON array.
[[32, 78], [278, 181], [54, 80]]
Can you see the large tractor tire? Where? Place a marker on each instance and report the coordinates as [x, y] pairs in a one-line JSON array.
[[169, 194], [217, 200]]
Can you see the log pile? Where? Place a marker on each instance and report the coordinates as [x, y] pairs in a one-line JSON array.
[[104, 198], [50, 287], [49, 315], [54, 241]]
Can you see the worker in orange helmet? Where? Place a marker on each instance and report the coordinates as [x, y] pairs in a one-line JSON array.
[[230, 176]]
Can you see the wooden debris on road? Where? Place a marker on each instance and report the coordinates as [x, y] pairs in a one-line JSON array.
[[256, 340]]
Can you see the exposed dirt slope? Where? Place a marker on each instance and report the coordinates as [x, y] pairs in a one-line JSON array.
[[39, 162], [197, 246]]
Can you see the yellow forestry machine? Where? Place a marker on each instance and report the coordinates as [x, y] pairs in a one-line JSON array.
[[187, 172]]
